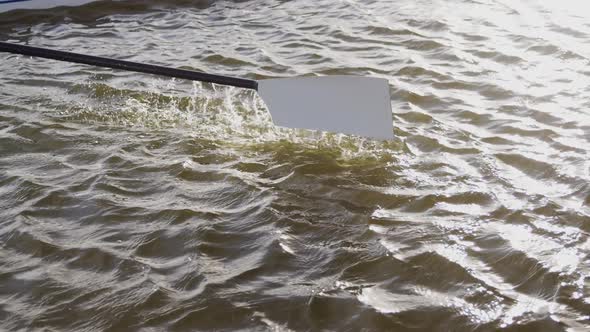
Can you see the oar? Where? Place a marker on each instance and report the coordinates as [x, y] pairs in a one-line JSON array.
[[346, 104]]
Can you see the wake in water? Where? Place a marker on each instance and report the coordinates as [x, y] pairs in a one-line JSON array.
[[236, 117]]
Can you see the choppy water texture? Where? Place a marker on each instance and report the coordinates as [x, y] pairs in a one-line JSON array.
[[131, 202]]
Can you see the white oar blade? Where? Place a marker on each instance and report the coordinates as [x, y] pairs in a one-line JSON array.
[[345, 104]]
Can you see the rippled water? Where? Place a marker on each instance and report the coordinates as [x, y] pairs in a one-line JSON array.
[[131, 202]]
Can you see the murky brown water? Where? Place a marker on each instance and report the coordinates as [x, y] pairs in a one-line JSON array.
[[130, 202]]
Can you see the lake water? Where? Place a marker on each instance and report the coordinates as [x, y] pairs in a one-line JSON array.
[[134, 202]]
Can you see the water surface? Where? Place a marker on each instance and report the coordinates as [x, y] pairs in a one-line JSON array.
[[132, 202]]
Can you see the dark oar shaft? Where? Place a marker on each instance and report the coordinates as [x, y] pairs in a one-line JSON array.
[[127, 65]]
